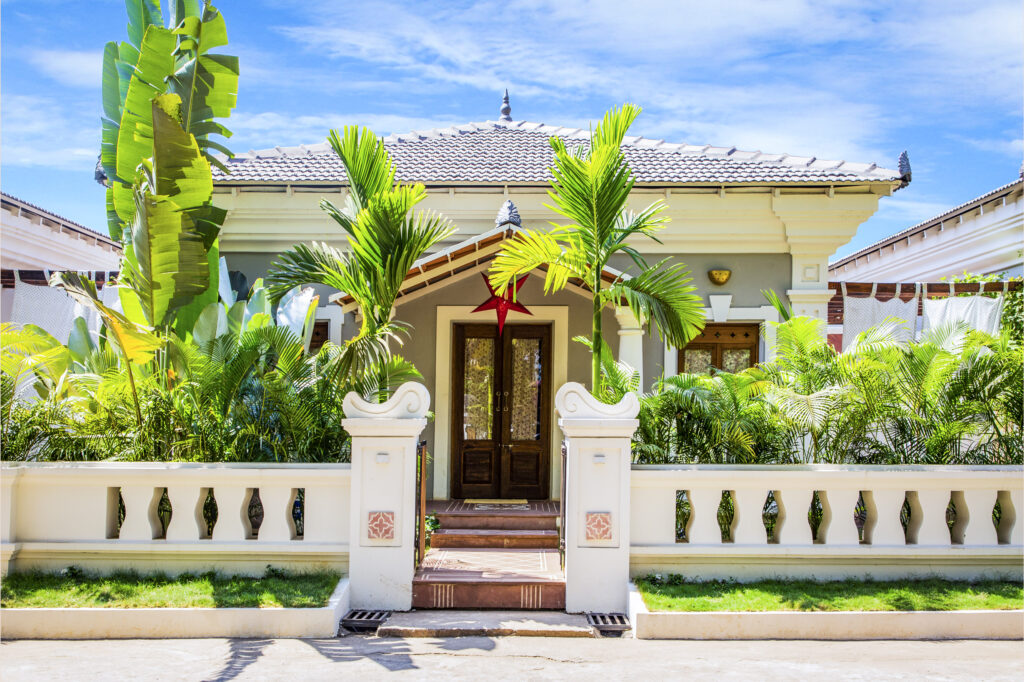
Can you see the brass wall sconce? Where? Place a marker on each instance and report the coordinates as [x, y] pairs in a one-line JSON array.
[[719, 277]]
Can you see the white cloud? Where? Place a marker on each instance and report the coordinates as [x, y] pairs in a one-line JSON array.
[[39, 131], [1013, 148], [73, 68], [817, 77]]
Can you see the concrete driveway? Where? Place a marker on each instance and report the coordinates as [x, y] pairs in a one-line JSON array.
[[506, 658]]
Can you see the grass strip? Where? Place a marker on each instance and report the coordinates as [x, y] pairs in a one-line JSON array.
[[73, 589], [673, 593]]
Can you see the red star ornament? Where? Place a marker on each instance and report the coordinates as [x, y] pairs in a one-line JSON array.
[[503, 303]]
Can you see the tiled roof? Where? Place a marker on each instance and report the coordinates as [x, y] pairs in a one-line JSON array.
[[500, 152], [50, 215], [952, 213]]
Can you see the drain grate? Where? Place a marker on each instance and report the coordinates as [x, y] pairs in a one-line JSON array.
[[611, 624], [362, 620]]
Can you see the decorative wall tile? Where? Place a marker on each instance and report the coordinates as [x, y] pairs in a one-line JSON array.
[[380, 525], [598, 526]]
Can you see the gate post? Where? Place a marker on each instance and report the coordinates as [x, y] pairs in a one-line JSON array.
[[596, 498], [382, 518]]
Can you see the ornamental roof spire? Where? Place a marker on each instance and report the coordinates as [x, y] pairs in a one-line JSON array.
[[508, 214], [506, 109]]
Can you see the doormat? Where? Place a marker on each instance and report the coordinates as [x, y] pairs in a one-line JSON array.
[[496, 502]]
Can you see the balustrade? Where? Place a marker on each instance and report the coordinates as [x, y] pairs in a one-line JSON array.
[[825, 506]]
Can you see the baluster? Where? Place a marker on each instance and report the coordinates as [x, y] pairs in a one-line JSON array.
[[749, 524], [277, 514], [794, 504], [979, 529], [232, 514], [884, 508], [140, 518], [932, 528], [186, 513], [1011, 527], [704, 528], [842, 527]]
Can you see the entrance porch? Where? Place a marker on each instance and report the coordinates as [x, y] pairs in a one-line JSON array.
[[498, 554]]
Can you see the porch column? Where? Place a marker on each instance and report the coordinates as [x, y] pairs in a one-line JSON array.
[[631, 341], [597, 498], [382, 519]]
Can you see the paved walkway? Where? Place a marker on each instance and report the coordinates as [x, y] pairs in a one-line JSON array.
[[509, 658]]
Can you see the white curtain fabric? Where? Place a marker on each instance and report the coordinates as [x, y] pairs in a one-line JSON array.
[[860, 314], [978, 312], [46, 307]]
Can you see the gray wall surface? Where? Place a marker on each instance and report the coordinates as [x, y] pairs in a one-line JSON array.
[[750, 274]]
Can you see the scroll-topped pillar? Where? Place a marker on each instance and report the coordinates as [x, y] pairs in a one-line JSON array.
[[383, 515], [596, 498]]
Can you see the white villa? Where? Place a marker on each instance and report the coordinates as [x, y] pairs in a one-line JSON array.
[[773, 220], [530, 477]]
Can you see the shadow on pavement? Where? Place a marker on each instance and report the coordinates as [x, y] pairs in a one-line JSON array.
[[242, 654], [463, 643], [392, 654]]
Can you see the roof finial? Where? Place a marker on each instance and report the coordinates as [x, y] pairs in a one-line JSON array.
[[508, 214], [506, 110], [904, 168]]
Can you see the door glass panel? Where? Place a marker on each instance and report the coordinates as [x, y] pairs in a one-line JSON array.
[[735, 359], [478, 391], [697, 360], [526, 380]]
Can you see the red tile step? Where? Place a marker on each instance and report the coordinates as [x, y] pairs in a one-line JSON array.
[[495, 538], [489, 579]]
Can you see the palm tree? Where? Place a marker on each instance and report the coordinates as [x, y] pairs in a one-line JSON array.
[[591, 187], [384, 239]]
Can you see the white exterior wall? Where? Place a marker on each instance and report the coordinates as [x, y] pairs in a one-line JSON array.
[[32, 240], [808, 223], [985, 240]]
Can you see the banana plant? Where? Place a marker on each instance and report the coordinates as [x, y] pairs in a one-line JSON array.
[[158, 60]]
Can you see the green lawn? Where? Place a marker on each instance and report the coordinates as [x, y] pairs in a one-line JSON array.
[[674, 594], [128, 590]]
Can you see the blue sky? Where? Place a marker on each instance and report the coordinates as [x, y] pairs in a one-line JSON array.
[[857, 80]]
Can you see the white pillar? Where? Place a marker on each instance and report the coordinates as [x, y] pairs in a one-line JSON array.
[[631, 341], [597, 498], [383, 516]]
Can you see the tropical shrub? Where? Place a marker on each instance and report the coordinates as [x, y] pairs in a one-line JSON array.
[[181, 369], [953, 397]]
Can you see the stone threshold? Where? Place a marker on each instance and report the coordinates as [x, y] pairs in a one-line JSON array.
[[454, 623]]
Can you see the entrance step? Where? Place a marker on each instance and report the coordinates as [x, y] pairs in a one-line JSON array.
[[496, 538], [489, 579], [431, 623], [459, 514]]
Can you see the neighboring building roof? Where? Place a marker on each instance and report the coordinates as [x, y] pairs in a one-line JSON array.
[[517, 152], [951, 214], [9, 200]]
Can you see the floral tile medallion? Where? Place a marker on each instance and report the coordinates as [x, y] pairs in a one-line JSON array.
[[380, 525], [598, 526]]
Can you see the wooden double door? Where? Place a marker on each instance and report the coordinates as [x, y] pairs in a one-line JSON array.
[[501, 431]]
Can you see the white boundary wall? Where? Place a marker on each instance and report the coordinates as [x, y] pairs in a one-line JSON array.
[[57, 514], [161, 623], [974, 548]]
